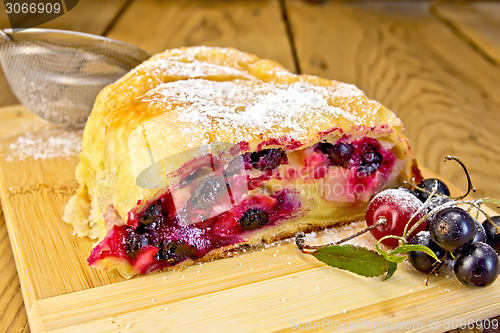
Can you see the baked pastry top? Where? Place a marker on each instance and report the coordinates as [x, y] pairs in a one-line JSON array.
[[199, 150]]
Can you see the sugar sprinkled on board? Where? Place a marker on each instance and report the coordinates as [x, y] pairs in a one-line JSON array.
[[47, 144]]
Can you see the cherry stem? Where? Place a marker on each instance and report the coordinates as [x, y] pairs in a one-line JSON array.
[[470, 187], [437, 265], [299, 238], [407, 233], [477, 205]]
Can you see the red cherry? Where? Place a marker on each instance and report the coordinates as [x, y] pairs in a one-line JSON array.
[[396, 207]]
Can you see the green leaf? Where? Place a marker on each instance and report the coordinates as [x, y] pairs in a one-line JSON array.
[[355, 259], [392, 269], [411, 247], [394, 258], [389, 256]]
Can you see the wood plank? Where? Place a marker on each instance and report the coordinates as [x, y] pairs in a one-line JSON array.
[[91, 16], [446, 93], [97, 14], [477, 23], [269, 306], [252, 26], [50, 182], [15, 120], [63, 294], [12, 313]]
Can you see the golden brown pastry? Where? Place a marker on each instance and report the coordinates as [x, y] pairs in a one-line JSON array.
[[200, 150]]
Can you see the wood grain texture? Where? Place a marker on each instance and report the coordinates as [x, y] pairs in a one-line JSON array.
[[14, 120], [449, 67], [52, 190], [265, 289], [12, 313], [252, 26], [400, 54], [476, 23], [91, 16], [96, 16]]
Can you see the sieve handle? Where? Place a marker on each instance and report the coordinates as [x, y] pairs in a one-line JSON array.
[[5, 36]]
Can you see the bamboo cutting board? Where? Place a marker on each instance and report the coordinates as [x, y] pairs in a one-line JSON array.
[[274, 288]]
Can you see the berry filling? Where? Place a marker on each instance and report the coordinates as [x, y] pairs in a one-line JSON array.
[[338, 154], [214, 207], [159, 241], [365, 155], [349, 171]]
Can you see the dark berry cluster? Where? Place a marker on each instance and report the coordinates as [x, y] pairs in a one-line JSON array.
[[423, 221], [451, 231]]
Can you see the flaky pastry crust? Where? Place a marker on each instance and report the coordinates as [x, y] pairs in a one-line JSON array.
[[186, 98]]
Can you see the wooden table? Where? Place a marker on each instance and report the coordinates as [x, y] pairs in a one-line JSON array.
[[436, 65]]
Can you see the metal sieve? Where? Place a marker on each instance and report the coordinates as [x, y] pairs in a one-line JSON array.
[[57, 74]]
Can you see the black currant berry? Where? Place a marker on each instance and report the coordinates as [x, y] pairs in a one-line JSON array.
[[452, 228], [209, 190], [268, 159], [478, 265], [480, 236], [371, 160], [431, 185], [253, 219], [339, 154], [492, 235], [174, 251], [421, 260], [135, 241], [152, 214]]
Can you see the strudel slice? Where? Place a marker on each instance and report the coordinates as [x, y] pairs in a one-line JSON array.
[[200, 150]]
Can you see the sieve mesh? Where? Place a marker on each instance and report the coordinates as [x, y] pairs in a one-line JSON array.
[[59, 81]]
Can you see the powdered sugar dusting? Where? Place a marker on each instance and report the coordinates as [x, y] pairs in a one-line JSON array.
[[194, 69], [401, 198], [277, 109], [347, 90], [46, 144]]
